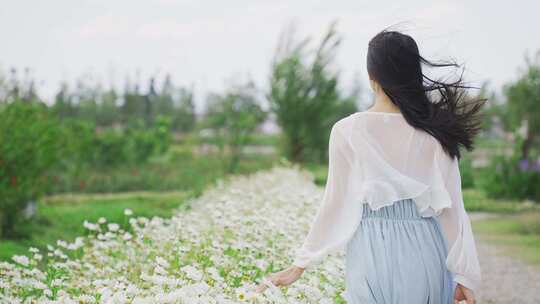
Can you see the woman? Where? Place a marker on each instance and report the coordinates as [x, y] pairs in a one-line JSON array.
[[393, 196]]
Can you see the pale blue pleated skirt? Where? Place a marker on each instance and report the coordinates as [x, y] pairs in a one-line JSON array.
[[397, 256]]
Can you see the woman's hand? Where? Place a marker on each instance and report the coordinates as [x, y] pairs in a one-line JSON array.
[[464, 294], [283, 278]]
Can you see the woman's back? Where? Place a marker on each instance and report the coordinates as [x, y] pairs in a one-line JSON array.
[[392, 138], [391, 160]]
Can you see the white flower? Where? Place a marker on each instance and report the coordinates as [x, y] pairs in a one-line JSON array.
[[162, 262], [160, 270], [192, 272], [86, 299], [113, 227], [241, 295], [326, 301], [102, 220], [90, 226], [21, 259], [128, 212], [261, 264]]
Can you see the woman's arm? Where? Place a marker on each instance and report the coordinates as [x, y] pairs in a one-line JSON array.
[[462, 258], [326, 232]]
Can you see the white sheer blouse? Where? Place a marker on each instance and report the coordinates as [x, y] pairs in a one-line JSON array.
[[378, 158]]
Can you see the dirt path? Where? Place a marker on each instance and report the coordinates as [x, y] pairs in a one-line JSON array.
[[505, 279]]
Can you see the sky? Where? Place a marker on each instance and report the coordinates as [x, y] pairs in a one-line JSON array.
[[209, 44]]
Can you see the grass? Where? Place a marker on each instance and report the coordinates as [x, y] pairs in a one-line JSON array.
[[168, 183], [517, 235], [61, 217], [476, 201]]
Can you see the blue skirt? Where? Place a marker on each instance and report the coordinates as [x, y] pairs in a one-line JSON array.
[[397, 256]]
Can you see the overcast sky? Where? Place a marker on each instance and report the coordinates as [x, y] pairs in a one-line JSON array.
[[206, 43]]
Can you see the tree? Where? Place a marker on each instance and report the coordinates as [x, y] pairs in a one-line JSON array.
[[164, 100], [133, 107], [107, 112], [178, 104], [523, 104], [63, 105], [31, 145], [234, 117], [184, 117], [305, 97]]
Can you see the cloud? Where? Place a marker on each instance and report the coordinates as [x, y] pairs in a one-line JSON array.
[[106, 26], [437, 12], [168, 28]]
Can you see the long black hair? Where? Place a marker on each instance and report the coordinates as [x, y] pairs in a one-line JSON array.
[[440, 108]]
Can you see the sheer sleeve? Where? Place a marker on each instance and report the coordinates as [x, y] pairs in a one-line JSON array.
[[331, 225], [462, 258]]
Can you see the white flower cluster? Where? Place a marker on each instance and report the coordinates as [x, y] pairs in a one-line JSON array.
[[216, 252]]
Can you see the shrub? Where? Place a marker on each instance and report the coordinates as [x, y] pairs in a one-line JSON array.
[[233, 118], [511, 177], [133, 145], [144, 142], [109, 148], [467, 172], [31, 145], [109, 159]]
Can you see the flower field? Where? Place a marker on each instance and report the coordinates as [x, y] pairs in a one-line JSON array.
[[216, 252]]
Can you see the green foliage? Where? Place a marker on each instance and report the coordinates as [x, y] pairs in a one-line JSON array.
[[141, 142], [174, 103], [305, 97], [516, 176], [466, 172], [523, 105], [183, 109], [112, 147], [31, 145], [233, 118], [511, 177], [109, 149]]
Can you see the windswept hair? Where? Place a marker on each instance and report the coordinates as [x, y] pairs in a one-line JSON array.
[[440, 108]]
